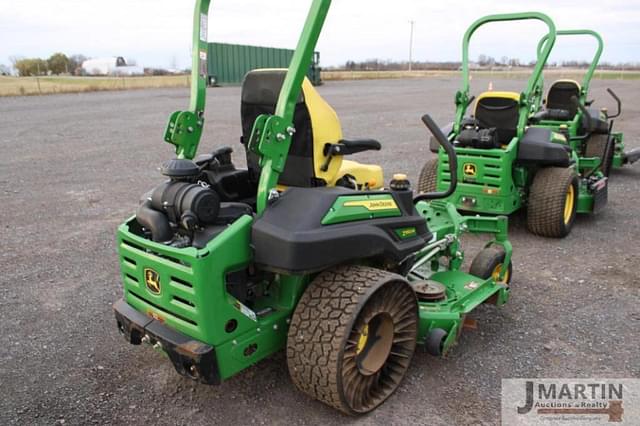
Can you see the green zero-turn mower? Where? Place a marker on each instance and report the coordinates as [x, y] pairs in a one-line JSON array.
[[504, 163], [589, 131], [303, 251]]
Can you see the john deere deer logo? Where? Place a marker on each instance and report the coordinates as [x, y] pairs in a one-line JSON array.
[[152, 279], [469, 169]]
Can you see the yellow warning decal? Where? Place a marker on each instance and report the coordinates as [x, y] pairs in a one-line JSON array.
[[469, 169], [373, 205], [155, 316]]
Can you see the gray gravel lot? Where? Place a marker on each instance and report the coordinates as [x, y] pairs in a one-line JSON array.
[[73, 167]]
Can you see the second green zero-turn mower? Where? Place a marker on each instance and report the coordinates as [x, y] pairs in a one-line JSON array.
[[504, 164], [303, 252], [589, 131]]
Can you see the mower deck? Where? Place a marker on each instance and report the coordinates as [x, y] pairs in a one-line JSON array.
[[464, 293]]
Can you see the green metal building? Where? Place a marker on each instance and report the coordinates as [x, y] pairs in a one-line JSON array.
[[228, 63]]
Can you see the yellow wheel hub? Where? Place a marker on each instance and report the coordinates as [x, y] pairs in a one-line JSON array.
[[496, 274], [568, 204], [362, 340], [374, 344]]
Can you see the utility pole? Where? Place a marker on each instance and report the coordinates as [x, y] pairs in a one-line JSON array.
[[411, 45], [38, 78]]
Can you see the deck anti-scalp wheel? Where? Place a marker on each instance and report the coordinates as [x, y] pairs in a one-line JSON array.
[[552, 202], [489, 263], [352, 337]]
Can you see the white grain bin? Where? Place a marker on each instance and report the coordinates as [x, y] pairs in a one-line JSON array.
[[115, 65]]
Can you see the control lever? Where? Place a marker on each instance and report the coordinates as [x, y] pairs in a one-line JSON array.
[[587, 117], [618, 102], [453, 161]]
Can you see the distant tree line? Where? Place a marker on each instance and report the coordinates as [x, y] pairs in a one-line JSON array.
[[631, 66], [57, 64], [390, 65], [483, 61]]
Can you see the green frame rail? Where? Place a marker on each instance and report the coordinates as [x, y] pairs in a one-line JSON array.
[[619, 157], [271, 135], [532, 93], [586, 81], [572, 127], [497, 186]]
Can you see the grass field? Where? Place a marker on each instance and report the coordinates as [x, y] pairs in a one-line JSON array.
[[20, 86], [517, 74]]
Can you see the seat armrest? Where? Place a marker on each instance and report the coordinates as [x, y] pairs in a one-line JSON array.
[[347, 147]]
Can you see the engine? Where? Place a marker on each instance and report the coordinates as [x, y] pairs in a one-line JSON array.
[[176, 209], [473, 136]]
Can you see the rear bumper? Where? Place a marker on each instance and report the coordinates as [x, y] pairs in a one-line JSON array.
[[190, 357]]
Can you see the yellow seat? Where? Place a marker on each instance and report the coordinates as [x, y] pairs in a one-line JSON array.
[[370, 175], [316, 124]]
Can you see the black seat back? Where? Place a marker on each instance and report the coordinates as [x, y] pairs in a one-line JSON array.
[[499, 110], [260, 91], [560, 94]]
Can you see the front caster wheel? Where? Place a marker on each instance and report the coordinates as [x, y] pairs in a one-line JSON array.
[[434, 345], [352, 337]]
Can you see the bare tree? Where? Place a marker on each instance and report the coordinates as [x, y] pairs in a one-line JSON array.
[[14, 59], [75, 63]]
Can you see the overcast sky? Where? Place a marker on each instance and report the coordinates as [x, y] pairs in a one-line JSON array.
[[158, 32]]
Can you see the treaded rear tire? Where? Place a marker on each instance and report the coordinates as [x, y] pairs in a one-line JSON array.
[[546, 203], [321, 352], [428, 176], [603, 147]]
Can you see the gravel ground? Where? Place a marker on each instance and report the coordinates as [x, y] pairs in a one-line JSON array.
[[73, 167]]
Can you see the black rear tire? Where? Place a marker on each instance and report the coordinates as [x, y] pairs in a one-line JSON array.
[[352, 337], [553, 198], [428, 176], [603, 147]]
